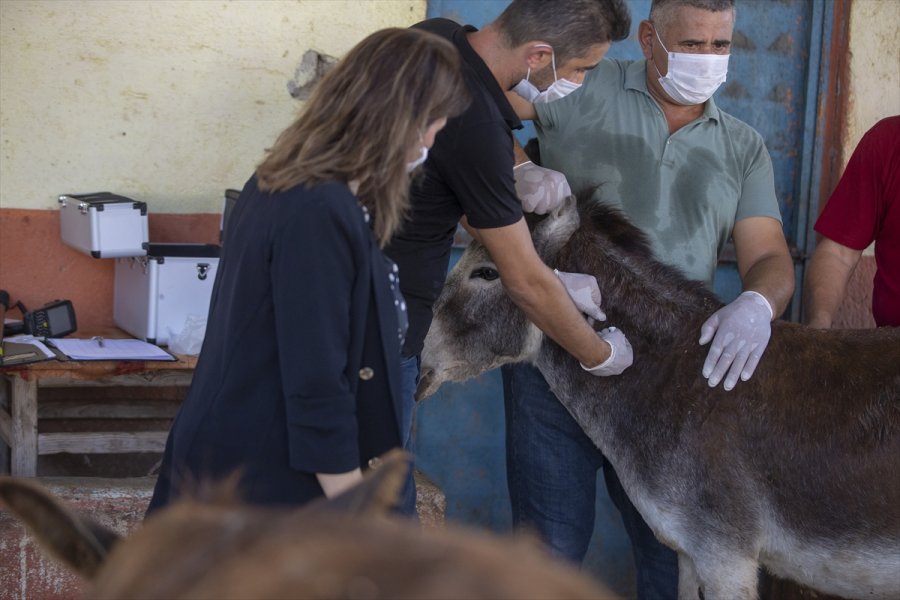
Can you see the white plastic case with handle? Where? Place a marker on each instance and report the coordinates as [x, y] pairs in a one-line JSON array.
[[103, 225], [155, 294]]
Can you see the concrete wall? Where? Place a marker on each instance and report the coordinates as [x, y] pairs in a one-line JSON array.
[[874, 67], [874, 93], [167, 102]]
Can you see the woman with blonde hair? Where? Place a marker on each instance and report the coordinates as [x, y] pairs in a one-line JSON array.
[[297, 386]]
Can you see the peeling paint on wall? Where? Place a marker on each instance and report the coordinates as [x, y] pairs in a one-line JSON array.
[[742, 41], [783, 44], [309, 72]]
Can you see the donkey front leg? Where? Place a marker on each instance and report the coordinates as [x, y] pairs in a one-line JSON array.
[[723, 574], [688, 582]]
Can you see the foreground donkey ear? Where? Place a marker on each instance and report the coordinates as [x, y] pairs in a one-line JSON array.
[[376, 494], [79, 543]]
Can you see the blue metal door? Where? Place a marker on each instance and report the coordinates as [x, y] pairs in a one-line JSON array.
[[776, 83]]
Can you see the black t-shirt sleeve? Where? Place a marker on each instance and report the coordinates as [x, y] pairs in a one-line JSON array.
[[475, 161]]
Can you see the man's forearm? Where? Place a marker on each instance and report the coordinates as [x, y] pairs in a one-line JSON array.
[[821, 302], [826, 280], [540, 294], [547, 304], [764, 261], [773, 277]]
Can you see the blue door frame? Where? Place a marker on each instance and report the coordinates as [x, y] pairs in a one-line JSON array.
[[785, 81]]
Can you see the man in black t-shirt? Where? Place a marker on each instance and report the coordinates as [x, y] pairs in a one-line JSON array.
[[468, 177]]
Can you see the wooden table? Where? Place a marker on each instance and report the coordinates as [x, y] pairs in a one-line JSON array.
[[19, 397]]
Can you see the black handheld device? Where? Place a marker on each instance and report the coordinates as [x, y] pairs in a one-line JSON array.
[[54, 319]]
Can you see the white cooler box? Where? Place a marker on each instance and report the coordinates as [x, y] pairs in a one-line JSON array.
[[155, 294], [103, 225]]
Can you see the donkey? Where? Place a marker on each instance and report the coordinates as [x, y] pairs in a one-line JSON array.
[[795, 470], [342, 548]]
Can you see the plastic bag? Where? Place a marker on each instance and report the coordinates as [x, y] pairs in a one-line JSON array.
[[190, 339]]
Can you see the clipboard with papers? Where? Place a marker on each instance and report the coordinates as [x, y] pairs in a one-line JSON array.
[[99, 348], [24, 349]]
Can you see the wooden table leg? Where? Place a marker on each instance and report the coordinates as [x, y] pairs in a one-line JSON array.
[[5, 424], [24, 447]]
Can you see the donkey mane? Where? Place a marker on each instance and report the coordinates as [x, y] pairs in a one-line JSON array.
[[636, 286]]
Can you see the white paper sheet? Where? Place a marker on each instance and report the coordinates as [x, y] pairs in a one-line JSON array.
[[109, 349]]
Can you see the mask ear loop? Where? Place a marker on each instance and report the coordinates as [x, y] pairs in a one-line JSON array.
[[668, 55], [656, 31]]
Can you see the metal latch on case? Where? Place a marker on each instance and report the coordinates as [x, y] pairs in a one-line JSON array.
[[202, 271]]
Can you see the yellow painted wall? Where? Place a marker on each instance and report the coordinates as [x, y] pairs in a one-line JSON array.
[[874, 67], [165, 101], [171, 101]]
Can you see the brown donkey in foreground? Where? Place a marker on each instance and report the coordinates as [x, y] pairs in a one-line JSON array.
[[797, 469], [342, 548]]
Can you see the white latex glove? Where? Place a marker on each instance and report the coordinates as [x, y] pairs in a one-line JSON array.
[[620, 358], [742, 331], [584, 292], [540, 190]]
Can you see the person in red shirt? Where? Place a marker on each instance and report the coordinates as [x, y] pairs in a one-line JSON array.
[[864, 208]]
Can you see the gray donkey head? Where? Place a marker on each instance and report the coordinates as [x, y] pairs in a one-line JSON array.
[[476, 326]]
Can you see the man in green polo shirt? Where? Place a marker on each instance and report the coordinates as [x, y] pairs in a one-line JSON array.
[[690, 176]]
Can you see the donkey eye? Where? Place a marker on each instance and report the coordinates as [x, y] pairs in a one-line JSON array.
[[486, 273]]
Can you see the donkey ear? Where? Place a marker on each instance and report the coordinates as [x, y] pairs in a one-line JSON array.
[[376, 494], [77, 542]]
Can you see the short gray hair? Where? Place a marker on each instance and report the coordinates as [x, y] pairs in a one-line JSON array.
[[661, 10]]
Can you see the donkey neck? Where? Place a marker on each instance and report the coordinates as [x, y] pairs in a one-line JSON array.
[[641, 296], [617, 420]]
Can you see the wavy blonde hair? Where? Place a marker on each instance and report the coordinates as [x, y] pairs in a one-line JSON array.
[[364, 118]]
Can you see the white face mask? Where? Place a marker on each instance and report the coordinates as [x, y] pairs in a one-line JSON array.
[[423, 155], [560, 88], [692, 78]]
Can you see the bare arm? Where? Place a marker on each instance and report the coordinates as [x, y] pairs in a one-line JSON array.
[[764, 261], [524, 109], [827, 275], [539, 293]]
